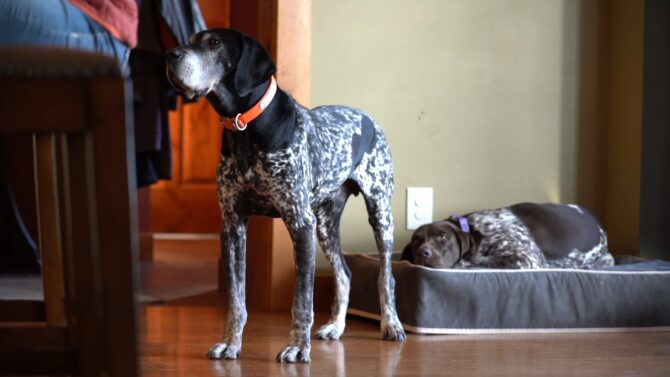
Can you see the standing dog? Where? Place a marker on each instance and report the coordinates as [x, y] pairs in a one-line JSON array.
[[280, 159], [525, 235]]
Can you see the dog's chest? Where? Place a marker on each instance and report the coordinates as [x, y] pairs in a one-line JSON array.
[[264, 180], [310, 169]]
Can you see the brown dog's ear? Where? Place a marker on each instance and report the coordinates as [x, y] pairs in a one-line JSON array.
[[464, 239], [407, 253], [254, 67]]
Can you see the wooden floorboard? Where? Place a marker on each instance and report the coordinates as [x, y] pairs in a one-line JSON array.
[[175, 337], [176, 340]]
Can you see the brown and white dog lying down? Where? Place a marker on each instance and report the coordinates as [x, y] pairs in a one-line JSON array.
[[524, 235]]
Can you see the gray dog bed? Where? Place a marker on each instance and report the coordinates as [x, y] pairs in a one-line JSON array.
[[486, 301]]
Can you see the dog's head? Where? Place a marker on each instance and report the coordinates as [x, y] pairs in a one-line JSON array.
[[439, 245], [218, 56]]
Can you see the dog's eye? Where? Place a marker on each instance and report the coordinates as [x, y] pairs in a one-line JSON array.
[[213, 42], [444, 236]]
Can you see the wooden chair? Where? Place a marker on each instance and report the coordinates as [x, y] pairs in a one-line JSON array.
[[77, 106]]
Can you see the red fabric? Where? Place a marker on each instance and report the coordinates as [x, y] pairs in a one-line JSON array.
[[119, 17]]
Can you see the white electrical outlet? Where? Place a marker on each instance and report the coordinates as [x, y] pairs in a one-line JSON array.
[[419, 206]]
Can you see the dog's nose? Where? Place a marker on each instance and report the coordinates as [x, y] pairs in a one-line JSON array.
[[174, 54], [425, 252]]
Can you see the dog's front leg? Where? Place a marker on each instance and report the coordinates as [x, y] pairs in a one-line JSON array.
[[302, 229], [233, 254]]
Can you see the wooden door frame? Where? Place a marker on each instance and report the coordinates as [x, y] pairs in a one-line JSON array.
[[284, 28], [655, 179]]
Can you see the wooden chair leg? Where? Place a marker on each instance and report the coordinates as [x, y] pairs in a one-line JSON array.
[[49, 222], [82, 254], [116, 193], [85, 172]]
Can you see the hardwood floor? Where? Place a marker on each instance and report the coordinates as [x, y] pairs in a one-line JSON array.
[[177, 334]]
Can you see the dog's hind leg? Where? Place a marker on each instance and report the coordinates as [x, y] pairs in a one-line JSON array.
[[381, 220], [233, 254], [328, 218], [374, 176]]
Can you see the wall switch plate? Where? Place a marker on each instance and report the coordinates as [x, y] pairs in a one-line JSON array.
[[419, 206]]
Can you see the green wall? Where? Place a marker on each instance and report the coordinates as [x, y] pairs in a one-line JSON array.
[[479, 99]]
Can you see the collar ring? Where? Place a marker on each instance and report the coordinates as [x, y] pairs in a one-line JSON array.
[[239, 125]]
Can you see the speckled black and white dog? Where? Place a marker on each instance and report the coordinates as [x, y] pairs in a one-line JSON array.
[[525, 235], [294, 163]]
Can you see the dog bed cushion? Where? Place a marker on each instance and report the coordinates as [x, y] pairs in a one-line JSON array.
[[488, 301]]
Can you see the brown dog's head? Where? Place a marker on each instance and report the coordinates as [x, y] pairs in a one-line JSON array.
[[439, 245]]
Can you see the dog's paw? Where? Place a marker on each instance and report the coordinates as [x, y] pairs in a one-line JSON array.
[[331, 331], [224, 351], [393, 331], [294, 354]]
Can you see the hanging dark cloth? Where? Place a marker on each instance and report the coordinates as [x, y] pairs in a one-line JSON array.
[[163, 24]]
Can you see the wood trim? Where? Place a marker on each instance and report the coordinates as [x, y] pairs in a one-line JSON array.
[[294, 48], [610, 117], [624, 126], [146, 247], [259, 263], [282, 268], [655, 177], [144, 224]]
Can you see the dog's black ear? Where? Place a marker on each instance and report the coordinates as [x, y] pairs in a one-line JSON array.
[[407, 253], [254, 67]]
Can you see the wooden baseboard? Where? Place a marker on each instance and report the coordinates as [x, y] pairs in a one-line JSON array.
[[146, 247]]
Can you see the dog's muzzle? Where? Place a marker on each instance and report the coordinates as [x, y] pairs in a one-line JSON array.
[[172, 58]]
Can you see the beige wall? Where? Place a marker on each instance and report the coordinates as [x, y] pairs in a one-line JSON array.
[[479, 99]]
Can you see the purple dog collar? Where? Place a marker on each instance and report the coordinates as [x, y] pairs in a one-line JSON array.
[[463, 222]]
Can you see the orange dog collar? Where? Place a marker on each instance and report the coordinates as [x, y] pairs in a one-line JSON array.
[[240, 121]]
